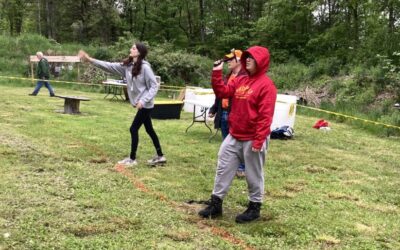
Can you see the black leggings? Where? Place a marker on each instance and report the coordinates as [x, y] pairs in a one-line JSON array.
[[143, 117]]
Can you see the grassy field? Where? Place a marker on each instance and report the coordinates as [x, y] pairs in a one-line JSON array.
[[59, 188]]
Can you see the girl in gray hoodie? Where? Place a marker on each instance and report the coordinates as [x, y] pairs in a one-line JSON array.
[[142, 88]]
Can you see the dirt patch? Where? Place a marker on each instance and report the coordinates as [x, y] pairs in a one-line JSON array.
[[328, 241], [364, 228], [102, 159], [341, 196], [179, 236], [280, 194], [379, 207], [312, 96], [315, 170], [295, 186], [380, 98]]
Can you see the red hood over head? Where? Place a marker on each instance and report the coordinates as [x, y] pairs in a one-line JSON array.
[[261, 55]]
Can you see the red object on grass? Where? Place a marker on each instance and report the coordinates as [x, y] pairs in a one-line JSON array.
[[321, 123]]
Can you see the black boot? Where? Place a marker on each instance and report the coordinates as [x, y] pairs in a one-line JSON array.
[[214, 209], [251, 213]]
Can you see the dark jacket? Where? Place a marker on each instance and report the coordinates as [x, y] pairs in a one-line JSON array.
[[253, 99], [42, 71], [217, 107]]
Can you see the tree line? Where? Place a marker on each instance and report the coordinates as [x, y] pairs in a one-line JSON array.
[[350, 31]]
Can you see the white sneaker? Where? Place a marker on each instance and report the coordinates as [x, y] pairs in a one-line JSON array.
[[128, 162], [157, 160]]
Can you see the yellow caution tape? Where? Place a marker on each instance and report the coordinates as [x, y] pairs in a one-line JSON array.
[[338, 114], [172, 86], [80, 83], [291, 110], [34, 79]]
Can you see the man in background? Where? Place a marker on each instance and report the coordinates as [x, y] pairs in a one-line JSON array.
[[43, 74]]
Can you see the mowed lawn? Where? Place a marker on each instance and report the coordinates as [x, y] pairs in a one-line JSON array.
[[59, 188]]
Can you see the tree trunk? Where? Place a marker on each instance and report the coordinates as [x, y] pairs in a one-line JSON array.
[[202, 21], [356, 25], [392, 19], [49, 18], [18, 17], [132, 14], [144, 21], [39, 19], [83, 10], [190, 24]]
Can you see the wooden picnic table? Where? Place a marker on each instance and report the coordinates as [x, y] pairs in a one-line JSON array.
[[114, 88], [71, 103]]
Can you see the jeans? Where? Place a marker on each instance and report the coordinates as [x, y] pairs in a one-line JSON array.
[[224, 124], [39, 85]]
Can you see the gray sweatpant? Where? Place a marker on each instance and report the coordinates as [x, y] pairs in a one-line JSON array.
[[233, 152]]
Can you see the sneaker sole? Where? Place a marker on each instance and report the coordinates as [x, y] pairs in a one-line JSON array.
[[127, 165]]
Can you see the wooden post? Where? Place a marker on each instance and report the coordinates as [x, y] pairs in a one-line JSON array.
[[32, 73], [71, 106], [71, 103]]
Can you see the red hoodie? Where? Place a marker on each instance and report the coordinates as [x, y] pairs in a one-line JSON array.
[[253, 99]]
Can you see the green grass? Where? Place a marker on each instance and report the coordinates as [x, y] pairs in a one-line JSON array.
[[59, 188]]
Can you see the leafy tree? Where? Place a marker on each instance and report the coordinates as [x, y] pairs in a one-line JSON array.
[[285, 27]]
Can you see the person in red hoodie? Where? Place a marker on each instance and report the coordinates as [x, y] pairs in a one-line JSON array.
[[253, 99]]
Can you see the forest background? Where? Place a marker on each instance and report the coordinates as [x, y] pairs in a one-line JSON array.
[[342, 55]]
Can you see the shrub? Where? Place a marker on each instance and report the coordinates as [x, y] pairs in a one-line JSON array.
[[180, 67], [289, 76], [393, 119], [103, 53], [326, 66]]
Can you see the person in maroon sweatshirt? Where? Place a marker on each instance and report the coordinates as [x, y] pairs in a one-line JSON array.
[[253, 99]]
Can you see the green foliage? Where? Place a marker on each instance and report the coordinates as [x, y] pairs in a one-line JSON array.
[[180, 67], [391, 71], [290, 76], [15, 52], [325, 66], [351, 31], [394, 119], [103, 53], [287, 42], [353, 94]]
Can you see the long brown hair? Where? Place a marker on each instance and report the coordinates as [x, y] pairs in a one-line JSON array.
[[137, 66]]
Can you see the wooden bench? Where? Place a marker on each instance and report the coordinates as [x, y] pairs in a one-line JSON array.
[[71, 103]]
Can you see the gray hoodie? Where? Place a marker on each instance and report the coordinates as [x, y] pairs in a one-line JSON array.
[[141, 88]]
